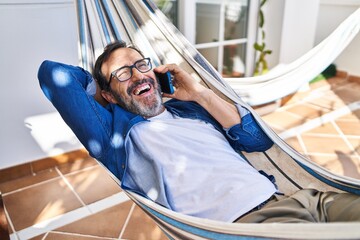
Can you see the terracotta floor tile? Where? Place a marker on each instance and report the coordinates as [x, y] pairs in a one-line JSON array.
[[105, 224], [294, 143], [340, 164], [77, 165], [62, 236], [282, 120], [142, 227], [355, 142], [28, 180], [276, 129], [295, 98], [307, 111], [15, 172], [356, 114], [93, 184], [349, 128], [5, 229], [40, 237], [337, 81], [352, 117], [350, 93], [325, 144], [327, 128], [330, 101], [291, 100], [320, 84], [53, 161], [41, 202]]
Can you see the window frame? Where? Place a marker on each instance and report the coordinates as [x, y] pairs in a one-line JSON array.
[[187, 25]]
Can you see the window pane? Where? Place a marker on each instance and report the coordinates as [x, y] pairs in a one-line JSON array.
[[211, 54], [207, 22], [234, 60], [235, 20], [169, 8]]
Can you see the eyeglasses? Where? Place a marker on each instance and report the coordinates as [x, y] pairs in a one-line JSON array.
[[125, 73]]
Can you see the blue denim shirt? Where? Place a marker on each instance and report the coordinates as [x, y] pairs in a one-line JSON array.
[[103, 130]]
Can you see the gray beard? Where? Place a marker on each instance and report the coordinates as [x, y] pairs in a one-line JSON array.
[[152, 109]]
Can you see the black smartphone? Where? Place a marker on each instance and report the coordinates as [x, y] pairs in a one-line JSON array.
[[165, 82]]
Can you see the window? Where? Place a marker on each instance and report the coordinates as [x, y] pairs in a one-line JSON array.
[[223, 31], [221, 34], [169, 8]]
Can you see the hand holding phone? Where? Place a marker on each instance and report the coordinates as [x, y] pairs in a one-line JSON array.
[[165, 82]]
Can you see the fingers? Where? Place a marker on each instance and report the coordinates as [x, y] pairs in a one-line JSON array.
[[173, 68], [167, 95]]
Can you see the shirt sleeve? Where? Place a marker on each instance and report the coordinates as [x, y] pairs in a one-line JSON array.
[[248, 135], [70, 90]]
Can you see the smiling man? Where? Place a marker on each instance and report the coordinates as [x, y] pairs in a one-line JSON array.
[[142, 97], [181, 154]]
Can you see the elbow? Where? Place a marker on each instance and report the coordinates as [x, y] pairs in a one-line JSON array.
[[44, 76], [47, 77], [258, 146], [55, 75], [248, 136], [263, 146], [260, 142], [45, 69]]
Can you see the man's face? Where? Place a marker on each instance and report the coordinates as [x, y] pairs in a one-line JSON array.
[[140, 94]]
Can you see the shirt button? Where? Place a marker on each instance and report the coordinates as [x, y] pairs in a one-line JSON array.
[[123, 166]]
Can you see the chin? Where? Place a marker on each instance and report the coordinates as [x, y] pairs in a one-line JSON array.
[[150, 108]]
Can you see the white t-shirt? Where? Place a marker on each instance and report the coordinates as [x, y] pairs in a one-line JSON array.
[[202, 175]]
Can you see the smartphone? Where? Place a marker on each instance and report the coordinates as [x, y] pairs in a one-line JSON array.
[[165, 82]]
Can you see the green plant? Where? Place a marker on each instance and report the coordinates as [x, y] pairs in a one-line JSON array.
[[261, 65]]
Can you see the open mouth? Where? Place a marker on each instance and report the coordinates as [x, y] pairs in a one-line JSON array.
[[142, 89]]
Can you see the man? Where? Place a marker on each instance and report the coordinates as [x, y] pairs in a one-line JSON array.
[[182, 153]]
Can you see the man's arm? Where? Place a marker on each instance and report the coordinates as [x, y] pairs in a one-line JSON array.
[[65, 86], [242, 130], [225, 113], [189, 90]]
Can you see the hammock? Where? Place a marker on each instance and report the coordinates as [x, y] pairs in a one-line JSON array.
[[142, 24], [287, 79]]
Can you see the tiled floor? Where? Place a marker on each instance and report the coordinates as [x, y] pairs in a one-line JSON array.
[[323, 123], [79, 200], [73, 201]]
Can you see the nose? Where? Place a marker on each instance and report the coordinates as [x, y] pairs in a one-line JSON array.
[[136, 74]]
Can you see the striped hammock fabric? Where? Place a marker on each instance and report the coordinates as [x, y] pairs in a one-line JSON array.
[[289, 78], [141, 23]]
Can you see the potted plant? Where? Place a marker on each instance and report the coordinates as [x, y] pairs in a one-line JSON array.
[[261, 65]]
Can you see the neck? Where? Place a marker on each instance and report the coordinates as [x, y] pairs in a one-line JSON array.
[[161, 110]]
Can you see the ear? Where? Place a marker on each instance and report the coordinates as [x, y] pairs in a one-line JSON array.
[[108, 96], [98, 97]]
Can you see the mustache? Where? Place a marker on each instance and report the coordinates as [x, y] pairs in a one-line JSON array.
[[134, 85]]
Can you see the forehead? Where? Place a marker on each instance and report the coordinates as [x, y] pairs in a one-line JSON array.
[[120, 57]]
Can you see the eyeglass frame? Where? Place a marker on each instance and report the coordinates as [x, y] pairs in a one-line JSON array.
[[113, 73]]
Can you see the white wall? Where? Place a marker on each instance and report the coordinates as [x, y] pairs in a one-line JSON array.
[[298, 29], [300, 34], [331, 14], [30, 33]]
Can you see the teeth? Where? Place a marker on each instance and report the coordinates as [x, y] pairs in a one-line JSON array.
[[143, 88]]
